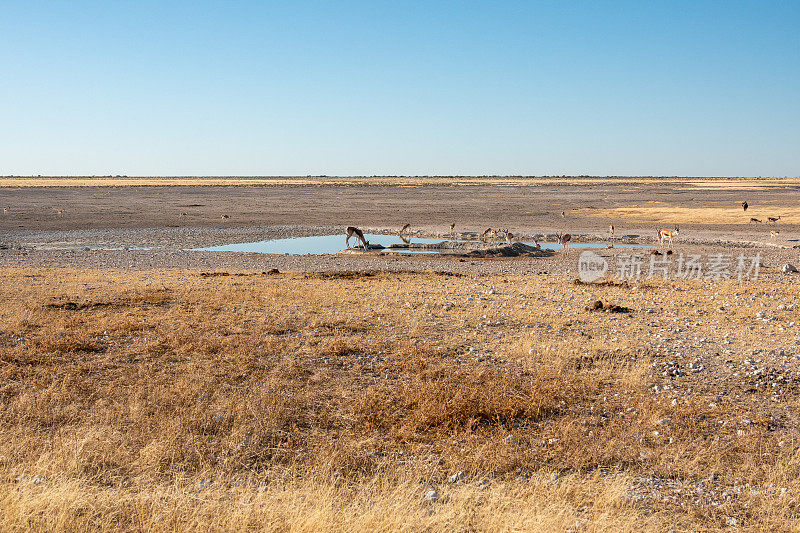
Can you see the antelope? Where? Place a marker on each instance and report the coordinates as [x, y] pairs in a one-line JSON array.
[[752, 219], [61, 212], [509, 236], [611, 230], [452, 227], [745, 206], [5, 210], [351, 231], [773, 219], [485, 234], [225, 217], [773, 234], [183, 215], [403, 238], [563, 214], [563, 240], [668, 235]]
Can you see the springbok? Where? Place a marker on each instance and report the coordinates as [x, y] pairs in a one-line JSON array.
[[752, 219], [402, 235], [61, 212], [509, 237], [745, 206], [5, 210], [183, 215], [563, 214], [225, 217], [452, 227], [563, 240], [773, 234], [351, 231], [485, 234], [773, 219], [667, 235]]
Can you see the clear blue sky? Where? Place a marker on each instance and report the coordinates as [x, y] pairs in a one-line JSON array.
[[400, 87]]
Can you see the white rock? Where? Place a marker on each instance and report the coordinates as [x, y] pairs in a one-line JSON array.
[[457, 477], [431, 496]]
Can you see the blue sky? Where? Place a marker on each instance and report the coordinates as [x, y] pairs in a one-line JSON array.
[[362, 88]]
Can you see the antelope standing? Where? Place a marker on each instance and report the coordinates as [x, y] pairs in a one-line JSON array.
[[452, 227], [351, 231], [225, 217], [745, 206], [667, 235], [563, 240], [773, 219], [752, 219], [61, 212], [563, 214], [183, 215], [5, 210], [509, 237], [773, 234]]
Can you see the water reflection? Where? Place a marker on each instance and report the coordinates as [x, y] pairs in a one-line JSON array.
[[330, 244]]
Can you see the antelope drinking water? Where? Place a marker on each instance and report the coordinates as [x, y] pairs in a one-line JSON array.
[[351, 231]]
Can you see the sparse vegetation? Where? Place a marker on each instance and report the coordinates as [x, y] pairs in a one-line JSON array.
[[175, 400]]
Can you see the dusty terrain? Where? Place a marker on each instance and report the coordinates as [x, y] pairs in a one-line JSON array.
[[532, 205], [173, 389], [148, 212]]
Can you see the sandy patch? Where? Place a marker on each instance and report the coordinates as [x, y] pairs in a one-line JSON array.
[[668, 214]]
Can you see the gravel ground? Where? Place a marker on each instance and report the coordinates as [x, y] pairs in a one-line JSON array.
[[166, 249]]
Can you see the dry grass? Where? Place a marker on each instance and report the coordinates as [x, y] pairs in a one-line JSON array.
[[665, 214], [169, 400]]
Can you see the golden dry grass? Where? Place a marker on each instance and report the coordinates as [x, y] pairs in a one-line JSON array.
[[670, 214], [400, 181], [297, 402]]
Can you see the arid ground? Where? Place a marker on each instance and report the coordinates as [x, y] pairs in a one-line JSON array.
[[161, 388]]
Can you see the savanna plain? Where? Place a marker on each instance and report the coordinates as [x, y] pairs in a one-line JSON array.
[[167, 389]]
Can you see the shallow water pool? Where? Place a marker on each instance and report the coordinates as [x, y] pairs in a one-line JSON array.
[[331, 244]]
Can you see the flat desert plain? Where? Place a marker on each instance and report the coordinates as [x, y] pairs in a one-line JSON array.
[[148, 386]]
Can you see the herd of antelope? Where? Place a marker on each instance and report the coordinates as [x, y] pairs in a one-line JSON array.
[[489, 236], [773, 234], [494, 235]]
